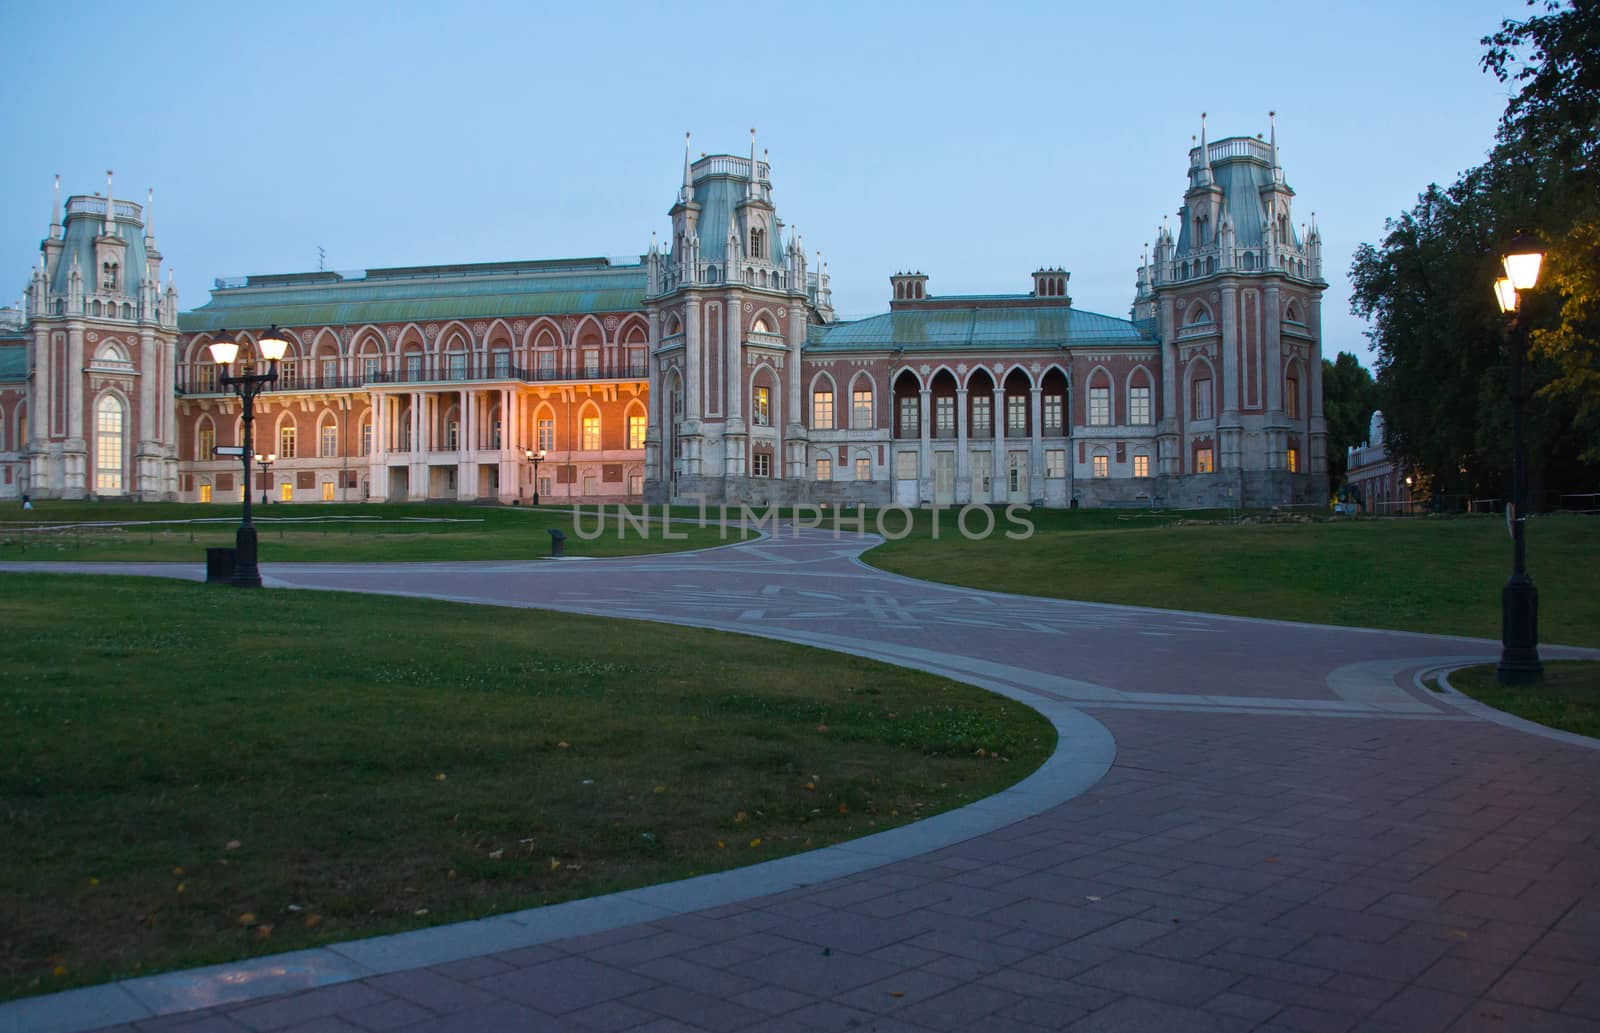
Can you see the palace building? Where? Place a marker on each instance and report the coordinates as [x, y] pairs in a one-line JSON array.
[[713, 368]]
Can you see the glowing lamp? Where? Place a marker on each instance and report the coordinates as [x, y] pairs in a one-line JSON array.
[[1522, 259], [272, 344], [1506, 294], [224, 352]]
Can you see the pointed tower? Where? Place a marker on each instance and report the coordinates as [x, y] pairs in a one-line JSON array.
[[102, 346], [1237, 298], [728, 307]]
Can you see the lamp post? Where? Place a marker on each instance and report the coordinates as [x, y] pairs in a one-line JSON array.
[[247, 385], [535, 456], [265, 462], [1519, 599]]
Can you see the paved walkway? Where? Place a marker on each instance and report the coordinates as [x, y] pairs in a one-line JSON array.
[[1251, 825]]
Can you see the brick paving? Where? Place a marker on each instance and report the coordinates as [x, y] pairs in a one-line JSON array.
[[1275, 847]]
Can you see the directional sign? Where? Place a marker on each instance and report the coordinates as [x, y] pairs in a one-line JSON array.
[[229, 450]]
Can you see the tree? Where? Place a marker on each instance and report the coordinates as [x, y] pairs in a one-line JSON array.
[[1441, 340], [1349, 396]]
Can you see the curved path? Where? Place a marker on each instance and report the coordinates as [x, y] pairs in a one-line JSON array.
[[1291, 835]]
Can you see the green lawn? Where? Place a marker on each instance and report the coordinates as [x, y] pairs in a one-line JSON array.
[[1568, 698], [185, 781], [1433, 575], [332, 533]]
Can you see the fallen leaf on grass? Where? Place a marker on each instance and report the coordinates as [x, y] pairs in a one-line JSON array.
[[661, 789], [59, 970], [312, 921], [740, 818], [264, 931], [248, 918], [554, 864], [563, 744], [822, 728], [440, 777], [177, 871], [419, 912], [232, 844], [755, 842], [181, 886], [495, 855]]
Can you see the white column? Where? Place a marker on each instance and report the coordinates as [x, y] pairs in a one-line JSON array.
[[998, 487], [924, 445], [1036, 443], [691, 359], [963, 460], [735, 382]]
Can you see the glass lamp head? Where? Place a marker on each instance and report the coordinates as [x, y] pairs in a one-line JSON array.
[[272, 344], [223, 351], [1505, 294], [1522, 259]]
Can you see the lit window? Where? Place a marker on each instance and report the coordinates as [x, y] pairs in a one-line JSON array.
[[1099, 407], [329, 443], [327, 491], [205, 493], [1139, 405], [1202, 399], [824, 468], [1102, 466], [761, 407], [1291, 397], [863, 469], [910, 418], [822, 410], [547, 434], [1202, 461], [287, 370], [366, 438], [1292, 460], [591, 434], [286, 492], [636, 429], [1016, 414], [944, 417], [1141, 465], [208, 444], [286, 441], [761, 464], [861, 408], [981, 424], [1055, 462], [1052, 415]]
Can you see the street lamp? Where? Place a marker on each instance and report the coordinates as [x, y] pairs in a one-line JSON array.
[[1519, 599], [265, 462], [247, 385], [535, 456]]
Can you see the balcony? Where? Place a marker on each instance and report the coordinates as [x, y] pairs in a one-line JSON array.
[[192, 382]]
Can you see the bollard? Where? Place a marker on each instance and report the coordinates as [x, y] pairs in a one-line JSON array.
[[558, 543]]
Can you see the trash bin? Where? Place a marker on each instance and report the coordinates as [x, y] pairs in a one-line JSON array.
[[219, 565], [558, 542]]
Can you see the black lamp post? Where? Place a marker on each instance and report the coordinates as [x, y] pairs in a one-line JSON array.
[[247, 385], [535, 456], [1519, 599], [265, 462]]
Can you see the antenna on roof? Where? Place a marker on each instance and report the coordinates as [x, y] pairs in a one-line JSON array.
[[322, 259]]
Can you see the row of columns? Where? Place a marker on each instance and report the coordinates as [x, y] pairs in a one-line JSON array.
[[998, 484]]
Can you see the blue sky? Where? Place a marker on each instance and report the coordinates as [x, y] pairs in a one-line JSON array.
[[974, 142]]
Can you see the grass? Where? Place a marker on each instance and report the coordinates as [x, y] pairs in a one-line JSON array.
[[331, 533], [184, 783], [1441, 576], [1568, 698]]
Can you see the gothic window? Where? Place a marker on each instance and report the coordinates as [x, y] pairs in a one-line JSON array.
[[944, 416], [1016, 414], [761, 407], [108, 445], [861, 408], [286, 441], [822, 410], [366, 436], [328, 440], [1202, 399], [591, 434], [502, 364], [1141, 465], [1102, 465], [910, 417], [1291, 396], [1139, 405], [1292, 460], [863, 468], [1052, 414], [369, 369], [458, 366], [207, 449], [547, 434], [981, 423], [287, 370], [1100, 406], [108, 276], [761, 326], [636, 430], [1203, 462], [755, 243], [330, 371], [591, 363], [824, 468]]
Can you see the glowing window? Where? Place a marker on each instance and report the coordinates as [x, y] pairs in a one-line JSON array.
[[1141, 465], [761, 407], [1203, 462], [208, 444], [327, 491], [205, 493], [328, 440], [286, 441], [822, 410], [824, 468], [636, 431], [1102, 466], [591, 434], [1292, 460], [861, 408], [286, 492], [863, 469]]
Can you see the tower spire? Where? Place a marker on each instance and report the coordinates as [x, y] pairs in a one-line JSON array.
[[55, 210], [149, 214], [686, 192], [108, 203], [1277, 170], [1205, 151], [750, 189]]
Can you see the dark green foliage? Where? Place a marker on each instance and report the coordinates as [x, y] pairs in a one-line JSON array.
[[1349, 397]]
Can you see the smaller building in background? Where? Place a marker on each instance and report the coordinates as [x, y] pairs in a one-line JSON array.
[[1373, 482]]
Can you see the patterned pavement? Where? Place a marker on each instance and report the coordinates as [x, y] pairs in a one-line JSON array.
[[1291, 835]]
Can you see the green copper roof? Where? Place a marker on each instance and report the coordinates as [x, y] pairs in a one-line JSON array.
[[423, 293], [978, 329], [13, 358]]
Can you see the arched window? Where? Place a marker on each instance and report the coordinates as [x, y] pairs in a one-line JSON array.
[[1291, 394], [761, 326], [861, 404], [756, 243], [328, 437], [108, 446], [589, 430], [366, 435], [108, 276], [822, 407]]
